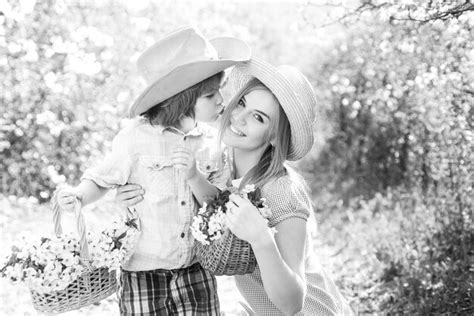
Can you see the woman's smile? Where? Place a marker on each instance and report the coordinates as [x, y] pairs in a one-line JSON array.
[[236, 131]]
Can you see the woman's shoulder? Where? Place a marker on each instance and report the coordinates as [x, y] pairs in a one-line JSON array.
[[286, 184], [287, 196]]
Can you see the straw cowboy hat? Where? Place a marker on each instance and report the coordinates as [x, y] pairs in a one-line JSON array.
[[182, 59], [294, 93]]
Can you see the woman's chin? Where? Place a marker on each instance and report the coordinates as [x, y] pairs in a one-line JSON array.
[[227, 139]]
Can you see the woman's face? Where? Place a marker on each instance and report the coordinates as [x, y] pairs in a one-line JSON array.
[[251, 121]]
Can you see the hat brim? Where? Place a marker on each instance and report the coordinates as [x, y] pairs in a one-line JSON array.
[[300, 119], [230, 51]]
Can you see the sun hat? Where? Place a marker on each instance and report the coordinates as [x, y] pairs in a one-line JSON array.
[[294, 93], [180, 60]]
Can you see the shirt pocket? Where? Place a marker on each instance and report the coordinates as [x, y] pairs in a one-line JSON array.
[[158, 174], [207, 163]]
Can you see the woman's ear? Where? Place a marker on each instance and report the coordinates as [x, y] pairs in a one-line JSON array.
[[273, 141]]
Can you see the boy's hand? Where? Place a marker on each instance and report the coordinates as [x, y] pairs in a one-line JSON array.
[[184, 160], [66, 199]]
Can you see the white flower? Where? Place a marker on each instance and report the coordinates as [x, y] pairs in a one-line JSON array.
[[217, 236], [55, 261], [23, 254], [69, 259], [248, 188], [265, 211], [203, 208], [214, 224], [199, 236]]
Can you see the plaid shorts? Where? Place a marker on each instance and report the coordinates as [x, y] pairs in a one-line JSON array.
[[187, 291]]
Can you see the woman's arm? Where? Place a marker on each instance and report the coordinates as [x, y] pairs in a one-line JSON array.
[[280, 257], [283, 257]]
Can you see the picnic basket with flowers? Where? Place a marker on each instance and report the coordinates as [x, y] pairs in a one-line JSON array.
[[217, 248], [64, 272]]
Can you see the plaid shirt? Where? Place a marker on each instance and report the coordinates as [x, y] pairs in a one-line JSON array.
[[141, 153]]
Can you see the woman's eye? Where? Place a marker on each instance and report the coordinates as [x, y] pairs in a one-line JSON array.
[[209, 96], [241, 103], [258, 118]]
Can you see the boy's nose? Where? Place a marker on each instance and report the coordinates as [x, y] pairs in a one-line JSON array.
[[220, 99]]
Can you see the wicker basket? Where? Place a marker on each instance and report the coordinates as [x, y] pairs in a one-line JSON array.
[[90, 287], [228, 255]]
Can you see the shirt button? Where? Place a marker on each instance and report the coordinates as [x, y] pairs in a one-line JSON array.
[[183, 203], [182, 235], [185, 137]]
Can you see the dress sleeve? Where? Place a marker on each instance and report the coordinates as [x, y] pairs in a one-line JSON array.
[[286, 198], [115, 168]]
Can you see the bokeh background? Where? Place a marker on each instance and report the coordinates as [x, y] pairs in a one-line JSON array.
[[391, 169]]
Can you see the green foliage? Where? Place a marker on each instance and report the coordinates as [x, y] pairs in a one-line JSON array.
[[43, 140], [397, 165], [392, 183], [67, 76], [406, 252], [399, 97]]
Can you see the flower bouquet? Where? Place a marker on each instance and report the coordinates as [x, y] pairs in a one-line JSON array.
[[218, 249], [64, 272]]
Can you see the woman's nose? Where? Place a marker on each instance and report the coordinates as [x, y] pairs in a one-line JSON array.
[[239, 115]]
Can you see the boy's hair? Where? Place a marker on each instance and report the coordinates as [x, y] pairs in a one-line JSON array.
[[271, 164], [172, 110]]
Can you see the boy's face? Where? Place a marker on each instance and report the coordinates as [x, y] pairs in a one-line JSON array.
[[208, 106]]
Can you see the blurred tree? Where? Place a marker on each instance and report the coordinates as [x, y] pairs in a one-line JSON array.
[[67, 75], [404, 10], [398, 93], [400, 97]]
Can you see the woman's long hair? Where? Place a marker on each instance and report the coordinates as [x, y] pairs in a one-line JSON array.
[[271, 164]]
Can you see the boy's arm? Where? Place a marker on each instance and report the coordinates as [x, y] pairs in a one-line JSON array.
[[218, 180], [202, 189], [88, 191]]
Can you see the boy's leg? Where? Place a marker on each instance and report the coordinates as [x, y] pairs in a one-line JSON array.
[[146, 293], [194, 291]]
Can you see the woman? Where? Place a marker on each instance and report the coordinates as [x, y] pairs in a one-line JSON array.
[[268, 122]]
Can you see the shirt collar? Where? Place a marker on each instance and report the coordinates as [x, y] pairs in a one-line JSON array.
[[196, 131]]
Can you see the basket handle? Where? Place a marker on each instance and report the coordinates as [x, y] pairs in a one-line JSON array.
[[80, 225]]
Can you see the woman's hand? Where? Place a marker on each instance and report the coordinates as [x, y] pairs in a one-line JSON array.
[[129, 195], [246, 222], [184, 160]]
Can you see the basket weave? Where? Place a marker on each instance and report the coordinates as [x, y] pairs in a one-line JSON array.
[[90, 287], [87, 289], [228, 255]]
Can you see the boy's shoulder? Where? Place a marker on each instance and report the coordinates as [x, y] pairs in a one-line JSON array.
[[130, 124], [130, 128], [207, 130]]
